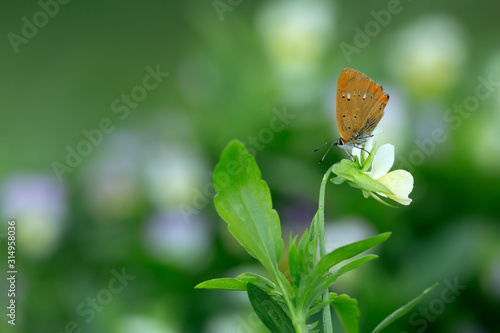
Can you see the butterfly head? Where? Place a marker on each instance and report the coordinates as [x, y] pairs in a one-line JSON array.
[[339, 142]]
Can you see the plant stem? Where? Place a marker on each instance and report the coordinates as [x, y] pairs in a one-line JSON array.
[[298, 324], [327, 316]]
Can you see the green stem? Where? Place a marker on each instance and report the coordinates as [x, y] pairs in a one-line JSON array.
[[327, 316], [297, 322]]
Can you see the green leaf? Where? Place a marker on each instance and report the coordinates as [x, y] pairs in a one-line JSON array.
[[367, 183], [243, 200], [368, 161], [238, 283], [345, 168], [223, 284], [260, 281], [337, 180], [346, 252], [288, 286], [354, 264], [308, 249], [347, 309], [351, 172], [320, 278], [320, 305], [294, 263], [313, 233], [402, 310], [269, 311]]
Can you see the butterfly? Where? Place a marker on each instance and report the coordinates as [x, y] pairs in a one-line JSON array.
[[360, 107]]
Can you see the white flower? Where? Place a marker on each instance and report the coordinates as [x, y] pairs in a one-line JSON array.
[[399, 182], [396, 185]]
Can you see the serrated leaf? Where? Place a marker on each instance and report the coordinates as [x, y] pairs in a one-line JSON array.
[[347, 309], [243, 200], [402, 310], [269, 311], [223, 284]]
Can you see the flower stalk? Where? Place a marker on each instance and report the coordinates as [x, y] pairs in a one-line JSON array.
[[327, 315]]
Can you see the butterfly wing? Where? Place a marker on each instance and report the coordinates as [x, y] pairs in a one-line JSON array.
[[360, 105]]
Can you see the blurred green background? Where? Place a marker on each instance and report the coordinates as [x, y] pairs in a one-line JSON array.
[[106, 167]]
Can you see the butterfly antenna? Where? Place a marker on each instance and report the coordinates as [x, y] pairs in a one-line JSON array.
[[323, 145], [333, 144]]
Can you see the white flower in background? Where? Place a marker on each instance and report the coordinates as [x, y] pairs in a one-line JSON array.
[[296, 35], [399, 182], [173, 175], [38, 204], [429, 54], [111, 180], [485, 149], [296, 32], [145, 323]]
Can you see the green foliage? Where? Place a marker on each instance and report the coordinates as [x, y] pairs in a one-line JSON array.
[[243, 200], [353, 173], [402, 310], [268, 310], [347, 309]]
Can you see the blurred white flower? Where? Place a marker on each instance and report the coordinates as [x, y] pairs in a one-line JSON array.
[[111, 181], [485, 147], [172, 173], [429, 54], [143, 324], [347, 230], [343, 231], [38, 204], [396, 121], [237, 320], [296, 35]]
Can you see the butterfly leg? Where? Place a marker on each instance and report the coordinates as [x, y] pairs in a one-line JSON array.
[[350, 155], [364, 150]]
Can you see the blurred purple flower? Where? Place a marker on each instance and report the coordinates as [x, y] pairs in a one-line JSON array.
[[38, 204], [169, 239]]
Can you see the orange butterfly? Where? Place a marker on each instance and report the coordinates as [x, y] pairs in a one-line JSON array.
[[360, 106]]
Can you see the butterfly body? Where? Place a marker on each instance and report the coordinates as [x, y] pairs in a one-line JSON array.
[[360, 107]]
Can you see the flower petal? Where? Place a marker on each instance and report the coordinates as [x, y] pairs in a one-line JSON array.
[[356, 152], [400, 182], [382, 161], [403, 201]]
